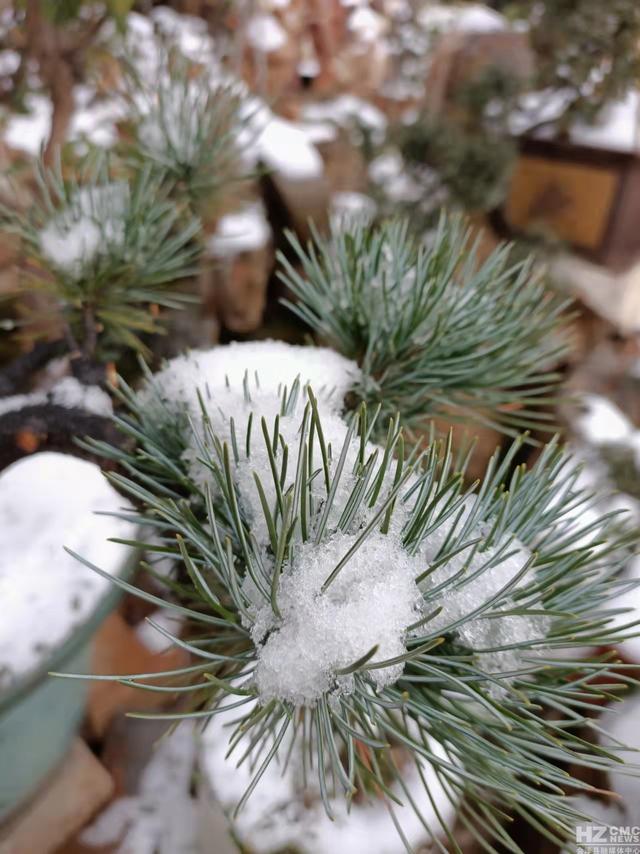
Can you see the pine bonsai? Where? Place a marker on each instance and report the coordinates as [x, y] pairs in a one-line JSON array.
[[344, 589]]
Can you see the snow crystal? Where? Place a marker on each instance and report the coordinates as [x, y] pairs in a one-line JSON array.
[[48, 501], [370, 603], [89, 226], [285, 811], [265, 33], [245, 230]]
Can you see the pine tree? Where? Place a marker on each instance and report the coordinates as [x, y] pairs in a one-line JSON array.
[[344, 587]]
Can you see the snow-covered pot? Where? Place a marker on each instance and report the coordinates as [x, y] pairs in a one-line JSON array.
[[52, 606]]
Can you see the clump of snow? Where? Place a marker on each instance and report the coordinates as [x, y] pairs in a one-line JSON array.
[[245, 230], [90, 226], [367, 24], [472, 578], [370, 603], [95, 117], [48, 501], [348, 206], [348, 111], [30, 132], [188, 32], [72, 394], [464, 17], [285, 148], [265, 33], [282, 814], [602, 421], [374, 598], [277, 365], [269, 367], [67, 392], [162, 817]]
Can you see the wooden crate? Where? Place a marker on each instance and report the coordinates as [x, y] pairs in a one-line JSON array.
[[588, 198]]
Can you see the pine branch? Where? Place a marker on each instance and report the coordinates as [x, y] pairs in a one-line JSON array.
[[110, 248], [434, 331], [279, 524]]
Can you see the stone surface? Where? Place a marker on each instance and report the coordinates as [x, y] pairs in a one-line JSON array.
[[79, 787]]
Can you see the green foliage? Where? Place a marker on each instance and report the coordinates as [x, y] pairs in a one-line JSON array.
[[468, 144], [189, 127], [106, 248], [434, 331], [474, 165], [585, 49], [497, 747]]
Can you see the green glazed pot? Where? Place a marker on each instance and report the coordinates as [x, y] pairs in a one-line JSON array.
[[40, 714]]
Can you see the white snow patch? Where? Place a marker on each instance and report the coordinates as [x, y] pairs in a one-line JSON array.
[[245, 230], [162, 817], [349, 206], [276, 363], [265, 33], [30, 132], [90, 226], [467, 17], [371, 602], [48, 501], [269, 366], [603, 422], [367, 24], [72, 394], [285, 148], [348, 110], [67, 392]]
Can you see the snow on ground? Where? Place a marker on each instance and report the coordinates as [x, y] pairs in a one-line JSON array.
[[48, 501], [245, 230], [67, 392], [161, 817], [276, 818]]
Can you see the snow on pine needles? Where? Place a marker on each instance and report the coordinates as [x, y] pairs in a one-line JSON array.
[[308, 633]]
